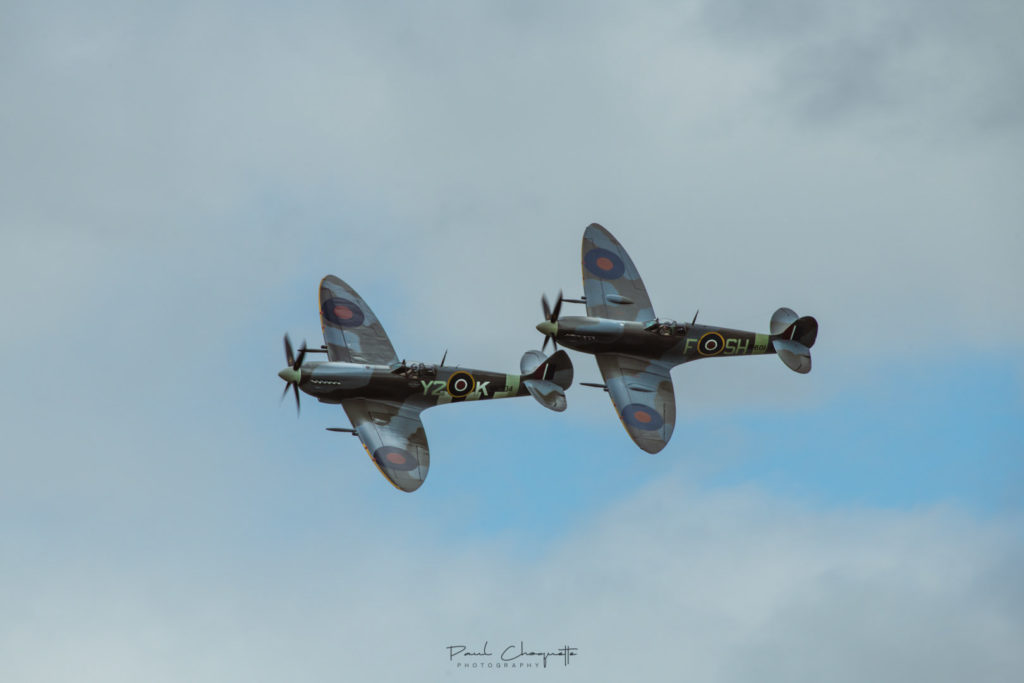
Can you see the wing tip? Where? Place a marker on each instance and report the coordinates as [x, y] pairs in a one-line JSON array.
[[408, 489], [650, 446], [406, 485]]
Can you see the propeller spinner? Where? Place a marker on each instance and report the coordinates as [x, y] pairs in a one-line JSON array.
[[549, 328]]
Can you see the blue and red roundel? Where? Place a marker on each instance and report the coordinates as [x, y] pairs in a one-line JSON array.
[[342, 312], [395, 458], [641, 417], [604, 264]]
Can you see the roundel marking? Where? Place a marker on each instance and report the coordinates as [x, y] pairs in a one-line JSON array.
[[604, 264], [395, 458], [642, 417], [342, 312], [710, 344], [460, 384]]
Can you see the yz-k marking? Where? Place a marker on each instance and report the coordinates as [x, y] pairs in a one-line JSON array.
[[437, 388]]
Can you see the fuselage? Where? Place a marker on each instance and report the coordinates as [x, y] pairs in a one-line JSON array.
[[661, 340], [422, 383]]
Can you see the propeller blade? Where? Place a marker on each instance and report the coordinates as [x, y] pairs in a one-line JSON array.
[[302, 355], [289, 356], [544, 305], [545, 344], [558, 308]]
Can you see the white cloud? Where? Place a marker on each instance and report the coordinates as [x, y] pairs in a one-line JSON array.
[[451, 157], [721, 586]]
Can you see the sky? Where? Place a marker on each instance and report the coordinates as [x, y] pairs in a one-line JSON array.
[[176, 178]]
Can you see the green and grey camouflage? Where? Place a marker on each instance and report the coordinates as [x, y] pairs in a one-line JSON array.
[[635, 350]]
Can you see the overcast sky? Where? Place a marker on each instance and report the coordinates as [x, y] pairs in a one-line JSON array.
[[174, 182]]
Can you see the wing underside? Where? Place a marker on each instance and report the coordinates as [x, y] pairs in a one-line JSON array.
[[393, 436], [352, 332], [611, 283], [643, 395]]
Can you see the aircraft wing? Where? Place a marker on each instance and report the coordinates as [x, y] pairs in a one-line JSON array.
[[644, 398], [611, 283], [351, 330], [393, 435]]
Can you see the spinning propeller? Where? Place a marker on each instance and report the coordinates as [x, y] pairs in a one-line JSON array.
[[292, 374], [549, 328]]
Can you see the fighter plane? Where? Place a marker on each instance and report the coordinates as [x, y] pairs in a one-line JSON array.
[[384, 396], [635, 350]]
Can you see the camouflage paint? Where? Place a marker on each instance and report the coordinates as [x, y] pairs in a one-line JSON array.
[[684, 343], [635, 351], [358, 337], [384, 397], [620, 282]]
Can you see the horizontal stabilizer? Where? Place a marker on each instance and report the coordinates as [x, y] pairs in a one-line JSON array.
[[530, 361], [795, 355], [547, 393], [781, 319]]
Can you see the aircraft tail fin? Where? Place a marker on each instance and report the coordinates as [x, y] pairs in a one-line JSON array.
[[792, 337], [555, 368], [547, 378]]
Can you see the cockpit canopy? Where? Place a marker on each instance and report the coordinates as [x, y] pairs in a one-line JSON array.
[[414, 370], [666, 327]]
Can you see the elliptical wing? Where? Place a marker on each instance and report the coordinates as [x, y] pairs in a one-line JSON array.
[[352, 332], [642, 392], [611, 283], [392, 434]]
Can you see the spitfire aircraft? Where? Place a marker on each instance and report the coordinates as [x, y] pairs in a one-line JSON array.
[[635, 350], [383, 396]]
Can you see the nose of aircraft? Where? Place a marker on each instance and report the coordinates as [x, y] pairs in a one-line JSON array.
[[289, 375], [548, 328]]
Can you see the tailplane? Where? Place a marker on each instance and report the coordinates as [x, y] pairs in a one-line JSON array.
[[792, 337], [547, 378]]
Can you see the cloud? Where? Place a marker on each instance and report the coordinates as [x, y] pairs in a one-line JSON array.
[[913, 66], [445, 162], [723, 585]]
